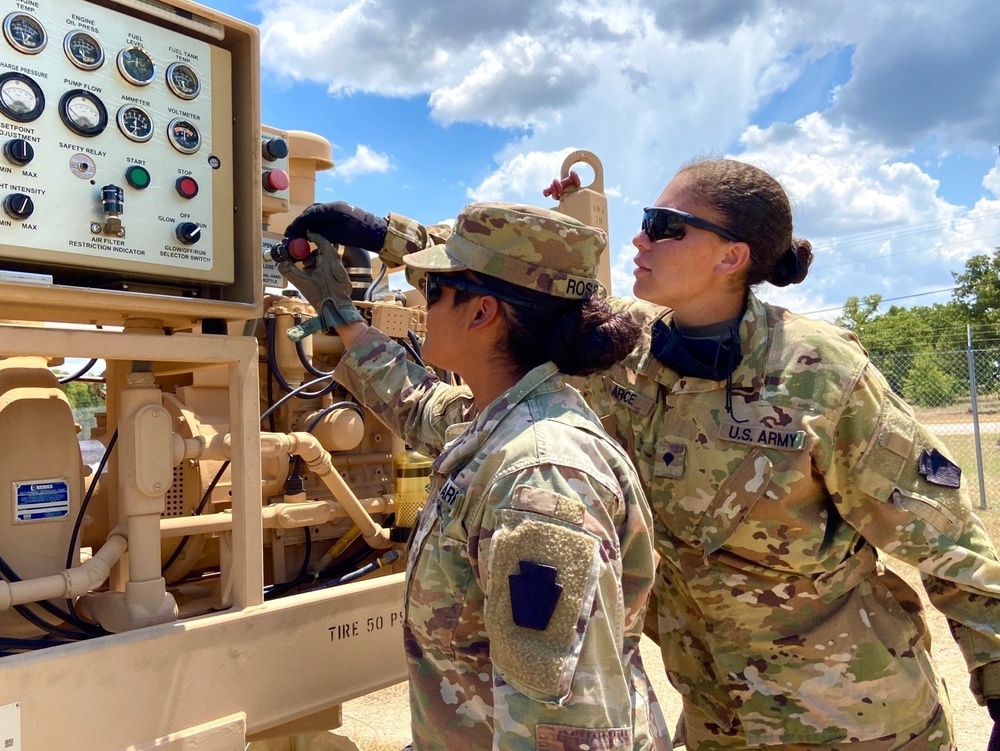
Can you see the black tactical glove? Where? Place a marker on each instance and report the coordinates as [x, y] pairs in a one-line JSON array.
[[341, 224]]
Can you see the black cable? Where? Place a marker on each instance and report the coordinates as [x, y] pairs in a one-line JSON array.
[[272, 361], [80, 373], [412, 352], [375, 282], [300, 351], [197, 512], [277, 590], [71, 553], [292, 394], [89, 629]]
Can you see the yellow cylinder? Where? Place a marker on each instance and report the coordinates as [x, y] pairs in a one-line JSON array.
[[411, 481]]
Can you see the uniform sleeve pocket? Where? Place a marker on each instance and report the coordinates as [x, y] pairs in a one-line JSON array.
[[542, 577], [880, 467]]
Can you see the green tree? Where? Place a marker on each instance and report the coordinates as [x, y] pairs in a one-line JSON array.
[[82, 394], [927, 384]]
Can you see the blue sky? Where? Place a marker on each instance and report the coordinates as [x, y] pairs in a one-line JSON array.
[[880, 118]]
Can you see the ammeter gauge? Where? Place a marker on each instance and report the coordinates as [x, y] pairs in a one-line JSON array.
[[135, 123], [83, 50], [136, 66], [184, 136], [21, 99], [83, 112], [183, 81], [25, 33]]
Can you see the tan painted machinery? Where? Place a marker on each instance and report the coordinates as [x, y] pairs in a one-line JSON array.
[[215, 561]]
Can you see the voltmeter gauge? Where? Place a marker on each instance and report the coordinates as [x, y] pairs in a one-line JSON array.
[[135, 123], [136, 66], [21, 99], [83, 50], [25, 33], [183, 81], [83, 112], [184, 136]]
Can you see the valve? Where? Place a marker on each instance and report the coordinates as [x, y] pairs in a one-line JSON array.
[[113, 204]]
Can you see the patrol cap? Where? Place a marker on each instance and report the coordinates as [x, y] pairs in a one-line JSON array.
[[528, 246]]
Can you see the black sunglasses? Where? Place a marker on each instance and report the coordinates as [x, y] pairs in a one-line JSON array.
[[660, 223], [434, 282]]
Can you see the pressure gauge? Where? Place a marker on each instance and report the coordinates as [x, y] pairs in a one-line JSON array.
[[21, 99], [136, 65], [83, 50], [183, 81], [135, 123], [25, 33], [83, 112], [184, 136]]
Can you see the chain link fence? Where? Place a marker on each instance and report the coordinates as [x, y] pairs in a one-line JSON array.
[[956, 395]]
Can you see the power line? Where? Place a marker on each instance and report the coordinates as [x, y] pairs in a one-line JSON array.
[[887, 299]]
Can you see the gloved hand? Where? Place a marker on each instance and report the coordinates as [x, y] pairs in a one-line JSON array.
[[341, 224], [993, 705], [325, 283]]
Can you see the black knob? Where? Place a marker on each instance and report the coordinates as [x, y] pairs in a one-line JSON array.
[[274, 148], [18, 151], [188, 233], [18, 206]]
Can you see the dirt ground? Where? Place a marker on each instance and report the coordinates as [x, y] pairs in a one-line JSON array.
[[381, 722]]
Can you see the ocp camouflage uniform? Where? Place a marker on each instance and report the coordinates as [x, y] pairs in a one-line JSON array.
[[770, 637], [533, 479]]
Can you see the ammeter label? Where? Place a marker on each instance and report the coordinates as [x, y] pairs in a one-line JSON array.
[[40, 500]]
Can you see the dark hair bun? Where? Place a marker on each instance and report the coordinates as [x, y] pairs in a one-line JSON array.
[[793, 265]]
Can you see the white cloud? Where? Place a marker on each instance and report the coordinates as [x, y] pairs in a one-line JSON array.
[[364, 161]]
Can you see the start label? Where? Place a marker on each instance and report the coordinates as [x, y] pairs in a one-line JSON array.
[[41, 500]]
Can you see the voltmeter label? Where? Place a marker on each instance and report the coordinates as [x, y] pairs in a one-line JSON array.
[[40, 500]]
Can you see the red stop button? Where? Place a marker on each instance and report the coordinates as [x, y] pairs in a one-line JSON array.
[[275, 180], [187, 187]]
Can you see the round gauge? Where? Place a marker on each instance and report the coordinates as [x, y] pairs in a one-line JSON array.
[[25, 33], [184, 136], [183, 81], [136, 65], [135, 123], [83, 50], [20, 97], [83, 112]]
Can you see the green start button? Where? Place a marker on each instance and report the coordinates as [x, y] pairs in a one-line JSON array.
[[137, 177]]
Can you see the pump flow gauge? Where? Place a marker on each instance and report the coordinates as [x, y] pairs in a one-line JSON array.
[[83, 112], [25, 33], [83, 50], [21, 99]]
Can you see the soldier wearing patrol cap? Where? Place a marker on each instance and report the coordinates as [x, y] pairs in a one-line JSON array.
[[531, 563], [779, 466]]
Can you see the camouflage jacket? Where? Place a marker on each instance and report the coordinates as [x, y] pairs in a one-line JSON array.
[[768, 632], [529, 568]]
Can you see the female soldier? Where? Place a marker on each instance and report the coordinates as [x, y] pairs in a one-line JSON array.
[[531, 564], [777, 460]]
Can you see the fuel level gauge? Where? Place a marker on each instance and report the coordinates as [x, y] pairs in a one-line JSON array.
[[83, 50], [183, 81], [21, 99], [25, 33], [135, 123], [136, 66], [184, 136]]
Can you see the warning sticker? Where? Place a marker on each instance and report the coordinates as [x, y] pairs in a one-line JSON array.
[[40, 500]]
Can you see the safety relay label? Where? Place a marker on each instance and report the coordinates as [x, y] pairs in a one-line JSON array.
[[40, 500]]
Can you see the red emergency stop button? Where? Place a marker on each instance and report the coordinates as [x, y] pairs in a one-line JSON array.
[[187, 187], [275, 180]]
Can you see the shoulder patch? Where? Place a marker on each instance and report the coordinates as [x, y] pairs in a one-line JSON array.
[[627, 397], [534, 594], [758, 435], [938, 469]]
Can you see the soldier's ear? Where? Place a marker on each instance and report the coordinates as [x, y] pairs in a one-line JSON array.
[[486, 312]]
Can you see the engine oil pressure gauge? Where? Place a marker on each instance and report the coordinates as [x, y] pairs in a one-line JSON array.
[[83, 112], [135, 123], [136, 66], [183, 81], [21, 99], [83, 50], [25, 33], [184, 136]]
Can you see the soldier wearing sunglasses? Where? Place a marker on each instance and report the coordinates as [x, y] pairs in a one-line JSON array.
[[531, 563], [780, 467]]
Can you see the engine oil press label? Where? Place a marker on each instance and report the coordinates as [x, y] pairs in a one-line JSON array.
[[40, 499]]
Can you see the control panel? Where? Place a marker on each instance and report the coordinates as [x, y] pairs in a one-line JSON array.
[[116, 146]]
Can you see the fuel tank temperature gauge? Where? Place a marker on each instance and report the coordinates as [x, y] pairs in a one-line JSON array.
[[136, 66], [25, 33], [83, 112], [135, 123], [183, 81], [83, 50], [21, 99]]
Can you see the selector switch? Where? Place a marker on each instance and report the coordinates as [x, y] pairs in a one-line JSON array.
[[275, 180], [18, 206], [188, 233], [18, 151], [187, 187]]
